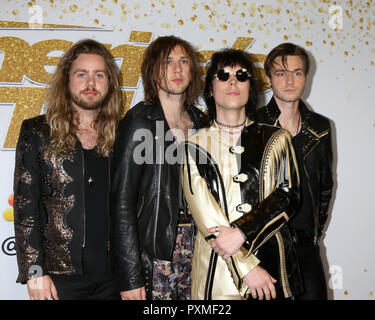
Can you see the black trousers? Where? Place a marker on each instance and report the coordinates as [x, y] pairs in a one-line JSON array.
[[70, 288], [314, 281]]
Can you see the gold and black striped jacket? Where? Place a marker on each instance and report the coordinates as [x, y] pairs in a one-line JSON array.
[[49, 209], [254, 185]]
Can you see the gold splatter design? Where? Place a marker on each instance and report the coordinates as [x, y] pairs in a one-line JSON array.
[[73, 8], [346, 292], [180, 22], [202, 26], [308, 43], [140, 36], [166, 25]]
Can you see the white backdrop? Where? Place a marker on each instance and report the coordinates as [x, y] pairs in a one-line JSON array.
[[339, 36]]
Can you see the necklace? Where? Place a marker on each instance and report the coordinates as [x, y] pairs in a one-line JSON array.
[[90, 179], [231, 126]]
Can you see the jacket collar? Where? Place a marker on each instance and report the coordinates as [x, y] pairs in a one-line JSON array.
[[156, 112], [274, 111], [198, 118]]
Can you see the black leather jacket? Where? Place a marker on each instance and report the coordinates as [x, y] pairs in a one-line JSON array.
[[49, 208], [144, 196], [317, 155]]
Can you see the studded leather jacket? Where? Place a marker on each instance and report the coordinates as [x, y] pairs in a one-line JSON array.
[[49, 208], [317, 157], [252, 185]]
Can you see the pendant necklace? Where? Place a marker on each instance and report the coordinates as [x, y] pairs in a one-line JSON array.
[[90, 180]]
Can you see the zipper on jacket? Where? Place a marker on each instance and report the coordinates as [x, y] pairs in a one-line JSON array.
[[108, 215], [313, 205], [83, 200], [284, 274], [157, 201]]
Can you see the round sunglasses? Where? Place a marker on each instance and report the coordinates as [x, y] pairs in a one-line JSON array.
[[241, 75]]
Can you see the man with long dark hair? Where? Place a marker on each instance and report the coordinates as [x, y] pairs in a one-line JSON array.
[[152, 229], [241, 185], [61, 180], [287, 66]]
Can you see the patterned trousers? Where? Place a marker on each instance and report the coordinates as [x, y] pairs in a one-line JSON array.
[[172, 279]]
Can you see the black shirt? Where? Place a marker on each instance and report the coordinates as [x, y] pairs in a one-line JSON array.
[[303, 220], [95, 252], [96, 220]]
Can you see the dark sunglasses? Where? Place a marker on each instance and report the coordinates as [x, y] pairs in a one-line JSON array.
[[241, 75]]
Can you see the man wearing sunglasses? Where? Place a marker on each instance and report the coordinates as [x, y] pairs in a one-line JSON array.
[[241, 185], [286, 67]]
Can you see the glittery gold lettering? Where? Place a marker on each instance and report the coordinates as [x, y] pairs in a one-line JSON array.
[[21, 59], [131, 63], [28, 104], [16, 57], [40, 50]]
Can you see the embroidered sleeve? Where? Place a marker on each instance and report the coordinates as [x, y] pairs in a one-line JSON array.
[[278, 190], [27, 208]]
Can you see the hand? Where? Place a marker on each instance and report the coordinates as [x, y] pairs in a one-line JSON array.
[[261, 284], [227, 242], [135, 294], [42, 288]]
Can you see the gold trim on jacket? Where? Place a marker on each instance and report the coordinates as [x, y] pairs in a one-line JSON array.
[[229, 274]]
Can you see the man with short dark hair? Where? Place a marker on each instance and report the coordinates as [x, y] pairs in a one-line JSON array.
[[286, 68]]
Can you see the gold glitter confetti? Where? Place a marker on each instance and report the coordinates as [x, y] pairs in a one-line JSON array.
[[166, 25], [346, 292], [28, 104], [140, 36], [73, 8], [308, 43]]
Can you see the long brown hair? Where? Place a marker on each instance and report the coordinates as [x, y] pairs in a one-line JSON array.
[[61, 116], [154, 61]]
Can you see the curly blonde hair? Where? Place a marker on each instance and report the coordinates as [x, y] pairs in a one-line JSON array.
[[61, 116]]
